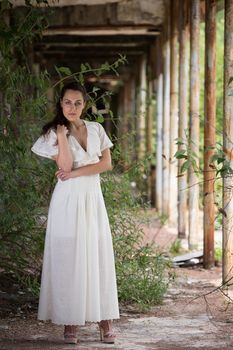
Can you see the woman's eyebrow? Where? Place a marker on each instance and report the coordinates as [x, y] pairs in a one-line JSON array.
[[67, 99]]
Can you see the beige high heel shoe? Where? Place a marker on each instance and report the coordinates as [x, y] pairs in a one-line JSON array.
[[70, 334], [106, 332]]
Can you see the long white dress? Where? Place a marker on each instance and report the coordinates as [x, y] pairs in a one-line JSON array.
[[78, 278]]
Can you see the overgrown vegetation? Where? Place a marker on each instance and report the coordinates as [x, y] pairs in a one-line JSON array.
[[143, 274], [27, 181]]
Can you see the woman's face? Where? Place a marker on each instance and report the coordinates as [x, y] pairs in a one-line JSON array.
[[72, 105]]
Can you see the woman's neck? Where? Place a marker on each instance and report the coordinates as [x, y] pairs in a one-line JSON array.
[[77, 124]]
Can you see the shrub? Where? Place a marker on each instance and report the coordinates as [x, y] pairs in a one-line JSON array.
[[143, 273]]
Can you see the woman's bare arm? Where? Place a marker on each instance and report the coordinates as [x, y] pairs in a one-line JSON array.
[[64, 158], [104, 164]]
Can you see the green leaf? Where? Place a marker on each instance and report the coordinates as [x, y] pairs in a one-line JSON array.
[[95, 88], [214, 158], [179, 141], [221, 160], [185, 166], [180, 154], [65, 70], [104, 67], [194, 165], [83, 68], [100, 118], [115, 71], [81, 78], [88, 66], [111, 114], [58, 71], [230, 80]]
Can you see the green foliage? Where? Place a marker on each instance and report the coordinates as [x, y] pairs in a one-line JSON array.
[[22, 180], [187, 154], [176, 247], [163, 219], [26, 182], [142, 270], [221, 162], [218, 254], [65, 73]]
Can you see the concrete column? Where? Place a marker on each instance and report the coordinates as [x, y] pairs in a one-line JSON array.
[[159, 132], [194, 124], [174, 113], [183, 114], [166, 114]]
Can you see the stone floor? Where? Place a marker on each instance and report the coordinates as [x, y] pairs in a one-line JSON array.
[[185, 321]]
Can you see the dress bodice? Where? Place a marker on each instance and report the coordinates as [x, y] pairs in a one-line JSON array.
[[97, 141]]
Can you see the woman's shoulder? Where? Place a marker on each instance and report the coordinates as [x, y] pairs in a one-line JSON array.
[[93, 125]]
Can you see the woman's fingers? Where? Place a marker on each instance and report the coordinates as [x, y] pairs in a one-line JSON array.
[[63, 175], [62, 129]]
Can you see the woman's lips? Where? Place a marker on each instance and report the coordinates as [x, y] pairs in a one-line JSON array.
[[72, 114]]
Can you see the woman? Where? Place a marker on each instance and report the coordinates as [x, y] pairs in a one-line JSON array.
[[78, 277]]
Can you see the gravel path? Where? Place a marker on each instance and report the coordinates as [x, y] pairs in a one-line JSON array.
[[180, 323]]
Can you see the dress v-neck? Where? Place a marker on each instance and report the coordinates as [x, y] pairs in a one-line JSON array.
[[85, 150]]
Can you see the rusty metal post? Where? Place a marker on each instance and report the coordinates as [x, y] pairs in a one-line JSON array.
[[159, 131], [166, 113], [149, 119], [183, 112], [194, 124], [137, 109], [228, 146], [133, 118], [174, 113], [149, 130], [209, 131]]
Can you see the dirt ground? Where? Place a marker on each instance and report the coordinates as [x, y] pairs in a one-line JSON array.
[[186, 320]]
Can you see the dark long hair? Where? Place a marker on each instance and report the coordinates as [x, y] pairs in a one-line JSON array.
[[59, 117]]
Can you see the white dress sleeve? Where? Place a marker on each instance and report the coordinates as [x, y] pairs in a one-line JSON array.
[[105, 141], [46, 145]]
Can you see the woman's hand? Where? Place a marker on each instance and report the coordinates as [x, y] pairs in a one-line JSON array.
[[64, 175], [61, 130]]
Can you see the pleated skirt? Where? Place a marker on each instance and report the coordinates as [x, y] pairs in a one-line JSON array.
[[78, 277]]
